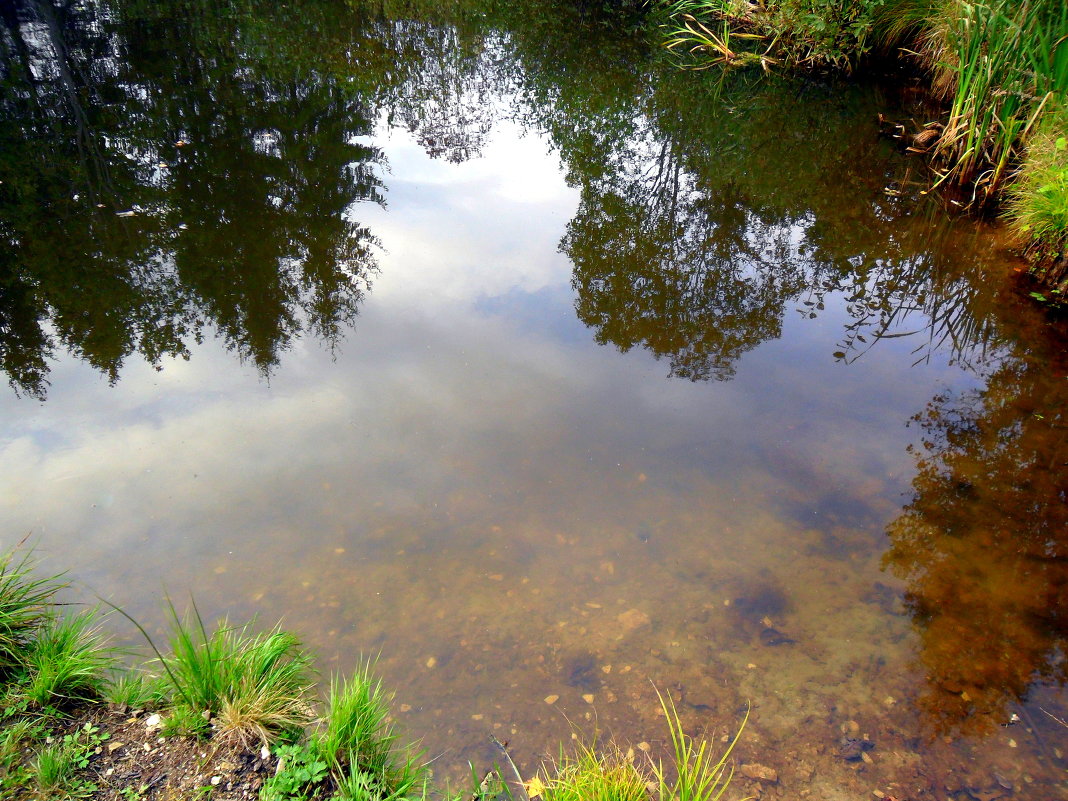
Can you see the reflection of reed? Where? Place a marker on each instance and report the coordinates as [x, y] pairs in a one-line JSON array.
[[952, 317]]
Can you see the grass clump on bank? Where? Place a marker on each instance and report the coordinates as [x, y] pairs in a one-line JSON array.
[[251, 687], [75, 725], [1038, 202], [25, 603]]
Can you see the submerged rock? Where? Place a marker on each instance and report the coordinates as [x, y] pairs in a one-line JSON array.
[[852, 749], [772, 636], [760, 773]]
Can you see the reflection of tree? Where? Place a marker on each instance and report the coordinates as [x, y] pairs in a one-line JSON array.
[[118, 237], [708, 224], [448, 99], [666, 272], [984, 544]]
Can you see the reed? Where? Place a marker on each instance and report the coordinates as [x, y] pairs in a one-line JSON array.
[[1008, 61]]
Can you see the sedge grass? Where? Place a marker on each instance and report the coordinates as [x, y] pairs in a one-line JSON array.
[[595, 776], [68, 661], [699, 775], [25, 601], [253, 686], [132, 689], [357, 740], [357, 728], [54, 772]]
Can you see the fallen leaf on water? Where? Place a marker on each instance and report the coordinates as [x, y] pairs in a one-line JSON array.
[[535, 787]]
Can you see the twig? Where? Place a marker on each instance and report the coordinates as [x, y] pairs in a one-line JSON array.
[[501, 747], [1055, 718]]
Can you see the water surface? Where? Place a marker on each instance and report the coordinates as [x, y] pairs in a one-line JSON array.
[[493, 345]]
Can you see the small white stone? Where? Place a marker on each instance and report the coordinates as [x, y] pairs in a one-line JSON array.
[[153, 721], [265, 753], [215, 780]]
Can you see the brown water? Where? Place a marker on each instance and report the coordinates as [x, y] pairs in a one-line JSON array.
[[494, 346]]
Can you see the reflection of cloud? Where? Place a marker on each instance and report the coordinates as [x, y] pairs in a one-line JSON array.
[[480, 228]]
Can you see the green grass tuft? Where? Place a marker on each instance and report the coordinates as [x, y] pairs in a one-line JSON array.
[[253, 686], [357, 741], [699, 774], [594, 776], [56, 773], [357, 728], [131, 689], [68, 662], [1038, 203], [25, 601]]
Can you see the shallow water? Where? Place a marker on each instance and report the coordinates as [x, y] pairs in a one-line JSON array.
[[501, 349]]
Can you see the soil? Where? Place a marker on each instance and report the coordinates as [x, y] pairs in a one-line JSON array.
[[136, 762]]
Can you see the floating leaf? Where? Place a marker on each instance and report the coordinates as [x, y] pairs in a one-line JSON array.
[[535, 787]]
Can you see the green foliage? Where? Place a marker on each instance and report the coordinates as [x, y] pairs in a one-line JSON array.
[[301, 773], [68, 661], [799, 33], [1038, 203], [24, 605], [181, 721], [133, 689], [1005, 62], [14, 738], [55, 771], [357, 728]]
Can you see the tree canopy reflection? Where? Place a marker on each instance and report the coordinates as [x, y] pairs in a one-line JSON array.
[[165, 173], [983, 546]]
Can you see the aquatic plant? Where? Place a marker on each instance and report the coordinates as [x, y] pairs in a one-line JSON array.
[[797, 33], [1006, 63]]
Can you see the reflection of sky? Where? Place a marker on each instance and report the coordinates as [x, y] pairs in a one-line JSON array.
[[467, 352], [467, 418]]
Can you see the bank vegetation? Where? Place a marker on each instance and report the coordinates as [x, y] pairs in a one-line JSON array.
[[1000, 68]]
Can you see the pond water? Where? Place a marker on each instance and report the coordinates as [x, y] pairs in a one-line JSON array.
[[488, 342]]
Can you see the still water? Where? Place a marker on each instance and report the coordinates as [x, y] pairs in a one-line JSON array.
[[489, 343]]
